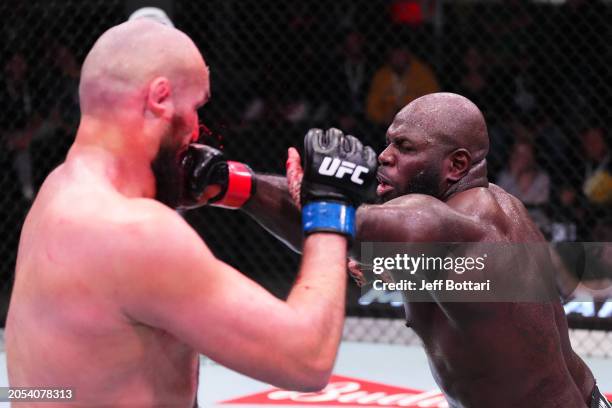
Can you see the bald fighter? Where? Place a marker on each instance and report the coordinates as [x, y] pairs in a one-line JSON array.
[[115, 295], [434, 188]]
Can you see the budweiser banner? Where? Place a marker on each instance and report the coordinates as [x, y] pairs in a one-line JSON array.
[[346, 391]]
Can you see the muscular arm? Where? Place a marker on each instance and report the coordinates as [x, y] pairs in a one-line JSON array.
[[273, 208], [177, 285], [411, 218], [416, 218]]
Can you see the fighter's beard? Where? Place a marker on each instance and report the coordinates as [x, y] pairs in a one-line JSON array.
[[425, 182], [168, 175]]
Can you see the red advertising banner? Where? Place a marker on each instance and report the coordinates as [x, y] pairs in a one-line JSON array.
[[347, 391], [344, 391]]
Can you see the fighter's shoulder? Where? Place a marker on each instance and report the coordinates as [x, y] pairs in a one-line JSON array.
[[413, 217], [411, 200], [476, 204], [479, 201], [133, 229], [482, 203], [147, 220]]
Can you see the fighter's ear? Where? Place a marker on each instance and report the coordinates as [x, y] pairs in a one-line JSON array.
[[159, 100], [458, 164]]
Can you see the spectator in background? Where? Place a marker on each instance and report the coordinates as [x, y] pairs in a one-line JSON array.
[[525, 179], [568, 214], [553, 143], [472, 81], [66, 112], [50, 144], [525, 82], [304, 103], [503, 136], [19, 120], [597, 186], [578, 56], [516, 85], [303, 100], [351, 81], [298, 98], [401, 80]]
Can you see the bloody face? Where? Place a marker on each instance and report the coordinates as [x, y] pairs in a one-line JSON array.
[[182, 130], [166, 165]]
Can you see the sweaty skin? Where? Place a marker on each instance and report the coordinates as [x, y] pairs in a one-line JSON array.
[[432, 179], [115, 294]]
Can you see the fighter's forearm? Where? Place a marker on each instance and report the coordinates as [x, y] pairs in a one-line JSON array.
[[318, 298], [273, 208]]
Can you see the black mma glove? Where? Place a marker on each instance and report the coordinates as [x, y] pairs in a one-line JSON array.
[[339, 175], [205, 166]]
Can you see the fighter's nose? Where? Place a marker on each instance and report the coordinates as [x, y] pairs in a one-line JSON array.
[[385, 158]]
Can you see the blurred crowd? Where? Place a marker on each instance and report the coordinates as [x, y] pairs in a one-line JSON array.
[[544, 103], [38, 116], [539, 72]]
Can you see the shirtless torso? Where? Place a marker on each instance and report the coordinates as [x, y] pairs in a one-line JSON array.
[[496, 353], [433, 188], [115, 294], [66, 307]]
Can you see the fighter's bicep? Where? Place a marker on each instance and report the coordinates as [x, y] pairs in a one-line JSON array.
[[182, 288], [417, 219]]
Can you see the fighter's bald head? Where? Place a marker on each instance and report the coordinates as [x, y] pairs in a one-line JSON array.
[[446, 119], [129, 56]]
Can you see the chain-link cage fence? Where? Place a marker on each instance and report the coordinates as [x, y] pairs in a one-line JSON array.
[[587, 343], [538, 70]]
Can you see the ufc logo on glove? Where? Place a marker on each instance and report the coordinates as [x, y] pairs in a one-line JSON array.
[[339, 168]]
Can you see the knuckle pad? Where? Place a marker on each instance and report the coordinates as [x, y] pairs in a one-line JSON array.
[[312, 136], [353, 144], [329, 140], [333, 137], [307, 138], [323, 140], [370, 156]]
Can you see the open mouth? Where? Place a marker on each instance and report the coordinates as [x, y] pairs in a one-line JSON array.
[[384, 186]]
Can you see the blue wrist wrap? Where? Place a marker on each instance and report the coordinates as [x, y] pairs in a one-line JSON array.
[[328, 216]]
